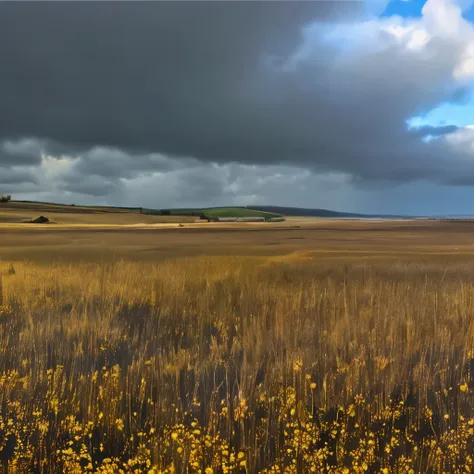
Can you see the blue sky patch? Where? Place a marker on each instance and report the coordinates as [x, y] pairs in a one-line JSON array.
[[405, 9], [459, 114]]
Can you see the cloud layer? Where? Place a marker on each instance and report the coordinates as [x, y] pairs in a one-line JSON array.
[[188, 102]]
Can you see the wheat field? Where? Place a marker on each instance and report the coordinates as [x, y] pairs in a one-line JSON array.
[[237, 364]]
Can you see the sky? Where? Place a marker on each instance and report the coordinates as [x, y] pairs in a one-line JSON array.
[[352, 106]]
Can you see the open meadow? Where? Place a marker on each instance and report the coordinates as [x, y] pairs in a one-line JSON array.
[[303, 346]]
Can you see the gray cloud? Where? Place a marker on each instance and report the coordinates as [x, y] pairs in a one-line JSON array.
[[17, 175], [431, 131], [115, 163], [92, 185], [21, 152]]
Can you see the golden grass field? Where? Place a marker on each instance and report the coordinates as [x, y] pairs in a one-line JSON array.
[[15, 213], [307, 346]]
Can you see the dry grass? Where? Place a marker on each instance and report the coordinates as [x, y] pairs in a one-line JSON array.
[[60, 219], [19, 212], [223, 364], [323, 240]]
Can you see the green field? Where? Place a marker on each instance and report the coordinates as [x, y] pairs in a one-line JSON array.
[[238, 212], [213, 212]]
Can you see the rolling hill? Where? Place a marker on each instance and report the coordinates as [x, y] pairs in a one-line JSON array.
[[228, 211], [306, 212]]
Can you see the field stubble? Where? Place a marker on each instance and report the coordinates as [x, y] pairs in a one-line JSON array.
[[237, 365]]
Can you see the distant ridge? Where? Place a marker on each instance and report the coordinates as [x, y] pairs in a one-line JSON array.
[[305, 212]]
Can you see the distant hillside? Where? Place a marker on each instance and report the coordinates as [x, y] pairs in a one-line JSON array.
[[304, 212], [228, 211]]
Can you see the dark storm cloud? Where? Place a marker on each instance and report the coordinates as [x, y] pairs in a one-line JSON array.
[[118, 85], [180, 78]]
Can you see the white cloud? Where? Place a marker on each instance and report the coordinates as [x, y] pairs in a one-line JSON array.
[[463, 139]]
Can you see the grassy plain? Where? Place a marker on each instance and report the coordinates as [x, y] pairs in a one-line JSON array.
[[306, 346], [19, 211], [63, 215]]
